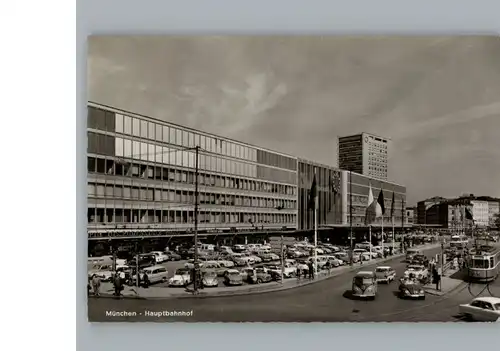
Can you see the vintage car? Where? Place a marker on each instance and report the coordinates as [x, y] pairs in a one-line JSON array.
[[420, 260], [385, 274], [410, 288], [259, 276], [482, 309], [173, 256], [225, 262], [190, 264], [245, 272], [215, 266], [242, 260], [233, 277], [210, 278], [419, 271], [103, 271], [182, 277], [364, 285]]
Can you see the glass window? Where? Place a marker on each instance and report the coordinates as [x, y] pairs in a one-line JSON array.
[[119, 123], [144, 151], [158, 132], [127, 125], [165, 134], [202, 141], [173, 136], [136, 127], [158, 154], [185, 136], [151, 130], [178, 137], [127, 148], [151, 153], [90, 189], [144, 129], [136, 149]]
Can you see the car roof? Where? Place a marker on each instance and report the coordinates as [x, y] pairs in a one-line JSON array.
[[364, 274], [490, 299], [384, 267], [153, 267], [232, 271]]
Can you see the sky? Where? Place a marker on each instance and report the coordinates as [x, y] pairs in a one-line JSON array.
[[437, 98]]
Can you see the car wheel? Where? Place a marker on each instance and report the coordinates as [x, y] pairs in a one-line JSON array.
[[259, 281]]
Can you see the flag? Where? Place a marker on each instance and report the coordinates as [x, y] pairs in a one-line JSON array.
[[370, 209], [468, 214], [313, 196], [393, 202], [380, 207]]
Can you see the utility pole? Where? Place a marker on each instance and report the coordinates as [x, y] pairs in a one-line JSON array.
[[195, 280], [402, 225], [350, 216]]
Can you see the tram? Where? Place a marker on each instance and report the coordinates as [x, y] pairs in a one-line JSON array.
[[484, 264]]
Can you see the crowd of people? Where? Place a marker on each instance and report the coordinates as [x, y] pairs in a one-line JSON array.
[[119, 279]]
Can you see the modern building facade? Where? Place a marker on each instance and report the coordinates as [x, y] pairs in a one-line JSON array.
[[410, 215], [141, 174], [360, 189], [365, 154], [329, 185], [425, 213]]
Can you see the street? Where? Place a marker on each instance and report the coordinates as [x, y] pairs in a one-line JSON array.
[[324, 301]]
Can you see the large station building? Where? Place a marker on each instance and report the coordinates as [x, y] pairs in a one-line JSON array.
[[141, 184]]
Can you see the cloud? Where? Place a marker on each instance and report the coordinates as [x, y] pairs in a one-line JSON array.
[[437, 98]]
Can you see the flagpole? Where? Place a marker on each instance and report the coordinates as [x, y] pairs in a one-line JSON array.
[[392, 219], [370, 240], [316, 202]]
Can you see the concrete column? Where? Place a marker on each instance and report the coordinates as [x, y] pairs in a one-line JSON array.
[[344, 188]]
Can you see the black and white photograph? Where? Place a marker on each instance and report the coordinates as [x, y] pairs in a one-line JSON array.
[[293, 179]]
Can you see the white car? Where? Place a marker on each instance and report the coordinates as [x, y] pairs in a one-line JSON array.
[[190, 264], [160, 257], [482, 309], [210, 279], [418, 270], [225, 263], [103, 271], [256, 259], [181, 277], [156, 274]]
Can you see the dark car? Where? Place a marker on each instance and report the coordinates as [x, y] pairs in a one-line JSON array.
[[145, 260], [411, 289], [258, 276], [172, 256], [420, 259]]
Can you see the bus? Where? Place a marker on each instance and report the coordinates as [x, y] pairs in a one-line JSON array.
[[459, 241], [484, 264]]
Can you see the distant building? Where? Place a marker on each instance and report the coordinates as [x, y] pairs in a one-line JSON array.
[[493, 210], [426, 210], [365, 154], [480, 213]]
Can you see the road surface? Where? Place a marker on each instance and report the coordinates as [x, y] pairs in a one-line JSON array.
[[324, 301]]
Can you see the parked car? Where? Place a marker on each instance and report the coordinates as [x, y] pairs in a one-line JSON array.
[[482, 309], [160, 257], [215, 266], [182, 277], [172, 256], [210, 278], [420, 260], [259, 276], [156, 274], [233, 277], [385, 274], [225, 262]]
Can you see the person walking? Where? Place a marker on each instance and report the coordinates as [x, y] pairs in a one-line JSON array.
[[117, 285], [96, 285], [145, 279]]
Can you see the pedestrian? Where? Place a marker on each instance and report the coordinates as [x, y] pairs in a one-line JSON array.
[[299, 271], [145, 279], [123, 277], [311, 270], [117, 285], [96, 285]]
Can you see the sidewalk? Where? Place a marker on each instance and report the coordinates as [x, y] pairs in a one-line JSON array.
[[451, 280], [155, 292]]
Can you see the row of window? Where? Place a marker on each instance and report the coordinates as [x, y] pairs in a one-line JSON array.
[[117, 216], [167, 174], [117, 191], [160, 132]]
